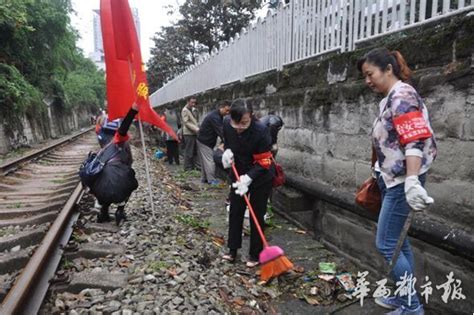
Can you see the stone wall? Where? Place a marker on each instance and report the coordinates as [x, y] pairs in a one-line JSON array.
[[325, 148], [54, 124]]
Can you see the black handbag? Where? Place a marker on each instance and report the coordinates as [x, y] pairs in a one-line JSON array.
[[95, 163]]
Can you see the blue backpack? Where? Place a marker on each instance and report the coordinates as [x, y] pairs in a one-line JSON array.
[[95, 163]]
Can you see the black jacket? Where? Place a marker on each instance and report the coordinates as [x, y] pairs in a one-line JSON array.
[[211, 128], [274, 123], [124, 150], [256, 139]]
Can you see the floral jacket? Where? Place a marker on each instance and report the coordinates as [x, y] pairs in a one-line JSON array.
[[402, 128]]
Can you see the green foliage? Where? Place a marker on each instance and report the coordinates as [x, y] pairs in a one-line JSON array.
[[39, 60], [204, 24], [193, 221], [17, 97]]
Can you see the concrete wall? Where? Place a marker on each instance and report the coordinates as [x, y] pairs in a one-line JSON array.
[[325, 148], [54, 124]]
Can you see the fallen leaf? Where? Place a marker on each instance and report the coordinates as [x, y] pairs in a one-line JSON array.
[[172, 272], [125, 264], [239, 301], [311, 301], [299, 269], [224, 295]]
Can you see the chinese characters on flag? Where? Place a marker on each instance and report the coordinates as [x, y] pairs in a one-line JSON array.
[[126, 78]]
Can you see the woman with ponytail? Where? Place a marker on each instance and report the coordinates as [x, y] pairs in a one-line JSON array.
[[405, 148]]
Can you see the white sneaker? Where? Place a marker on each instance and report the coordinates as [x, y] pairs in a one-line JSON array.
[[97, 205]]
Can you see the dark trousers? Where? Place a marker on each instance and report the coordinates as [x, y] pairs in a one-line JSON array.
[[172, 151], [258, 200], [190, 152]]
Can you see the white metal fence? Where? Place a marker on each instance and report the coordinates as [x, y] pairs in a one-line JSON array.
[[299, 30]]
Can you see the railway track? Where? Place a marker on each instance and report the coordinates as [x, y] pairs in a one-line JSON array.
[[38, 193]]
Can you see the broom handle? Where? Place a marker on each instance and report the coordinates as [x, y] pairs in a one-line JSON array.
[[252, 213]]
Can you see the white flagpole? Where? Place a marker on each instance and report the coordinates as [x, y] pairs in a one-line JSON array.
[[147, 169]]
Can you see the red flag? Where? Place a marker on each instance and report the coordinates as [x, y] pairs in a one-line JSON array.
[[126, 78]]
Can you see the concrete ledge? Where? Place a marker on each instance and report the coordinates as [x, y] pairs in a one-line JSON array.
[[98, 280], [25, 239], [91, 251], [453, 240]]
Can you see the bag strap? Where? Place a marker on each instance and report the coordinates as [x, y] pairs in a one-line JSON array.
[[107, 158]]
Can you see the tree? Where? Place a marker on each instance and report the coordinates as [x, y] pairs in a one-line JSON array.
[[39, 59], [213, 21], [171, 55], [204, 24]]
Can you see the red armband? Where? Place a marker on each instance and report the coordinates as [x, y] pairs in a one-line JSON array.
[[264, 159], [411, 126], [119, 139]]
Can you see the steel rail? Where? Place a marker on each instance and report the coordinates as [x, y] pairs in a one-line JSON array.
[[11, 166], [30, 288]]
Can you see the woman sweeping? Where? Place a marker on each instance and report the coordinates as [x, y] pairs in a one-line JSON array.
[[405, 147], [247, 143]]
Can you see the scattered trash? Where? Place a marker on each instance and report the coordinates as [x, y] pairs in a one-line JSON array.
[[313, 291], [326, 277], [327, 267], [345, 280], [301, 231], [298, 269], [159, 154], [311, 300]]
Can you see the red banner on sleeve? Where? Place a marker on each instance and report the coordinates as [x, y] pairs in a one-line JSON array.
[[411, 127], [264, 159]]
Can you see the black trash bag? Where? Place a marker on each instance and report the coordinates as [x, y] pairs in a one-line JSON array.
[[115, 184]]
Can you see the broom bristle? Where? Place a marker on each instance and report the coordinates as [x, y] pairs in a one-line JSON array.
[[275, 268]]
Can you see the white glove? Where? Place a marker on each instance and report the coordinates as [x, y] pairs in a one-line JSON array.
[[227, 158], [242, 185], [416, 195]]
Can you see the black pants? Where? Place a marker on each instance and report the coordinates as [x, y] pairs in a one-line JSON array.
[[172, 151], [258, 199]]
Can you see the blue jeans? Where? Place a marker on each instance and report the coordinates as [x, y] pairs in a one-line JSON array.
[[392, 217]]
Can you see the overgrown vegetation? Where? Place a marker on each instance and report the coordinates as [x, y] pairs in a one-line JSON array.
[[39, 60]]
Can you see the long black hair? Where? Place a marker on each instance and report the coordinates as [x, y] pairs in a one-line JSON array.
[[239, 108], [382, 57]]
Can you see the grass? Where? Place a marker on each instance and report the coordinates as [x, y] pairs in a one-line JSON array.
[[58, 181], [185, 175], [158, 265], [270, 223], [15, 206], [192, 221], [67, 264], [13, 154], [5, 232]]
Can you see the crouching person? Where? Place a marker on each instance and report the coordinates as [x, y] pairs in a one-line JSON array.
[[116, 181]]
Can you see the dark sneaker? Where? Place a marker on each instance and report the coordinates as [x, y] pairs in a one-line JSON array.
[[120, 215], [390, 303], [405, 311], [103, 217]]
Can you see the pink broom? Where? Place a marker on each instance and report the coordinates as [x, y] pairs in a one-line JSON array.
[[272, 258]]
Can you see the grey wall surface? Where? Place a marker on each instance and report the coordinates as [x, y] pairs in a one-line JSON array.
[[325, 148], [34, 130]]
